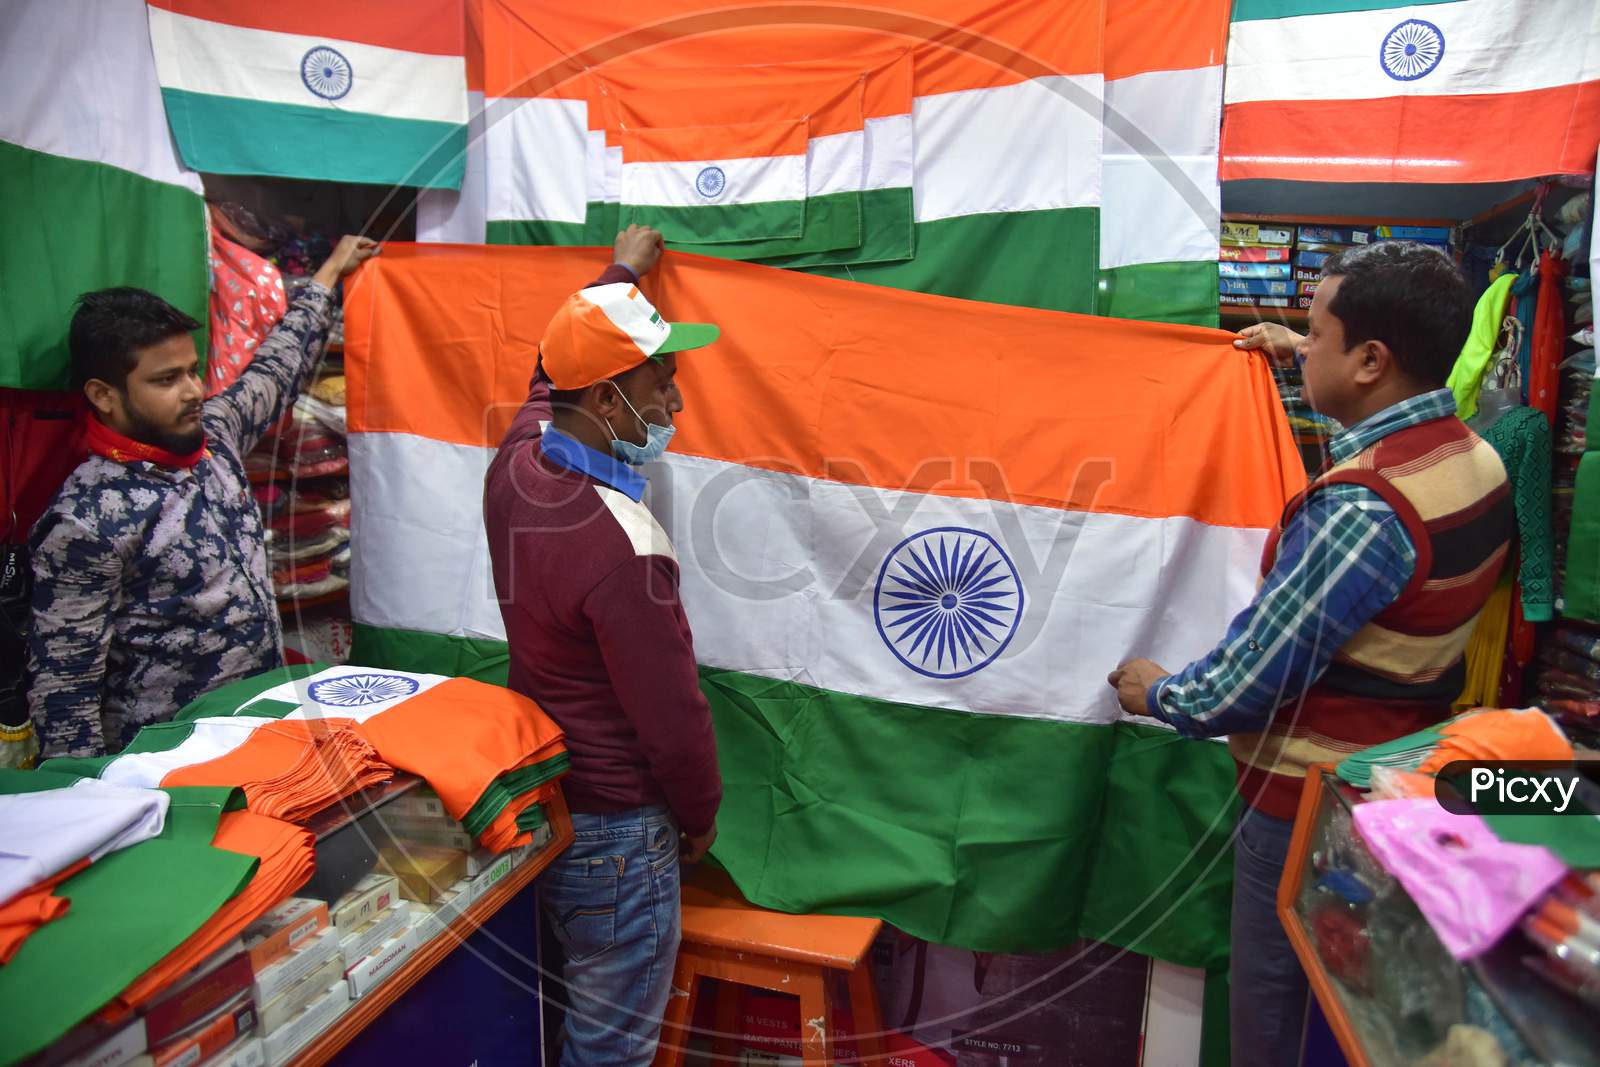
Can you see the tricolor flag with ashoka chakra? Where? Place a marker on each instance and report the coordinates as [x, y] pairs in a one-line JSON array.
[[354, 91], [914, 534], [1439, 91]]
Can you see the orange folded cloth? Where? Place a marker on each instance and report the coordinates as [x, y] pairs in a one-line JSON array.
[[32, 908], [292, 768], [503, 833], [287, 858], [1499, 734], [489, 730]]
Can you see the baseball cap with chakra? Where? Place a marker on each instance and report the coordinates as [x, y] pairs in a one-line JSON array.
[[599, 332]]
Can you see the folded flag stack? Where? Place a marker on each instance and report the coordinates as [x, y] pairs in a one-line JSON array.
[[1485, 734], [289, 768], [490, 754]]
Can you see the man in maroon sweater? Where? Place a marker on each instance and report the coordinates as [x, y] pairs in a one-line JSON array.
[[588, 588]]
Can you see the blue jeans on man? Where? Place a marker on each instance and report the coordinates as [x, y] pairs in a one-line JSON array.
[[612, 899], [1268, 991]]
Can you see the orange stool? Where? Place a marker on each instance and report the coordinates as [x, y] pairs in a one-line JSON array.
[[727, 938]]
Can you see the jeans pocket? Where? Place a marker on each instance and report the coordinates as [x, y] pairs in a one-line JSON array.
[[661, 846], [581, 898]]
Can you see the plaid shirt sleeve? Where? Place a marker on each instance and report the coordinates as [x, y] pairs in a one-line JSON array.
[[1344, 557]]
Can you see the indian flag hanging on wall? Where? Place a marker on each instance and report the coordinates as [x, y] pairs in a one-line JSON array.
[[1437, 91], [93, 193], [914, 535], [354, 91]]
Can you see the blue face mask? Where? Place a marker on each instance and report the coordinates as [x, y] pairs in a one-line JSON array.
[[656, 440]]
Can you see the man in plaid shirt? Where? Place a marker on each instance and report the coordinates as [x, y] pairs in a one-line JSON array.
[[1370, 589]]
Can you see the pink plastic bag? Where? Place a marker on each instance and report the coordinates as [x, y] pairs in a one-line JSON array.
[[1471, 886]]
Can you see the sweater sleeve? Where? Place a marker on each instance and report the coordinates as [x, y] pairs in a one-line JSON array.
[[644, 639]]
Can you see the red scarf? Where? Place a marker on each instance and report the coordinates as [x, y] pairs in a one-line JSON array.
[[104, 441]]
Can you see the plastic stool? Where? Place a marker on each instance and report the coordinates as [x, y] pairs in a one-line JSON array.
[[727, 938]]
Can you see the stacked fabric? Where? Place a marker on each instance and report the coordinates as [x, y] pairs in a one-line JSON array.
[[129, 909], [490, 754], [1485, 734], [1257, 267], [49, 835], [288, 769], [1567, 680]]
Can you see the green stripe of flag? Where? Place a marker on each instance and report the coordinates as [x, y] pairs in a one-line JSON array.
[[1042, 259], [829, 224], [732, 223], [1181, 292], [1118, 833], [1255, 10], [229, 135], [69, 227]]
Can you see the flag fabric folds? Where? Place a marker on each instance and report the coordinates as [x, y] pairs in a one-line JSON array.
[[907, 533], [94, 194], [1439, 91], [360, 91]]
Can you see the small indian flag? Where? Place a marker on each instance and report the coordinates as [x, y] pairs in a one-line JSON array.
[[1438, 91], [358, 91]]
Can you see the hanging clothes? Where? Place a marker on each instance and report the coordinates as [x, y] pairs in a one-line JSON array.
[[247, 301], [1549, 337], [1525, 292], [1466, 377], [1521, 437]]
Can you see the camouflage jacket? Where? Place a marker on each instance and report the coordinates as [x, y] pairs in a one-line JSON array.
[[151, 584]]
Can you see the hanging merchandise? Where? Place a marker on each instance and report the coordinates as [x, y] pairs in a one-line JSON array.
[[1580, 588], [1549, 330], [1488, 318], [366, 91], [247, 301], [1522, 438], [1461, 91]]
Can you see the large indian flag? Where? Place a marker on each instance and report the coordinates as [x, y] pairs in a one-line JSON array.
[[354, 91], [93, 193], [1437, 91], [914, 535]]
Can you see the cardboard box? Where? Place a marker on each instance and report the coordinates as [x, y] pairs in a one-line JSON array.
[[278, 1011], [1254, 301], [233, 1020], [429, 921], [358, 944], [277, 977], [1270, 271], [1308, 288], [1251, 233], [367, 974], [406, 826], [454, 840], [1252, 254], [317, 1016], [423, 872], [1303, 301], [1307, 274], [245, 1052], [115, 1050], [371, 895], [284, 929], [197, 999], [1364, 235], [486, 880], [1311, 258], [1254, 287]]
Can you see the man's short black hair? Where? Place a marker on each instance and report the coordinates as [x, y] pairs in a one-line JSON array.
[[111, 325], [1410, 296]]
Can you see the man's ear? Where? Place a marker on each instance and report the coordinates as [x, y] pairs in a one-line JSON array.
[[1374, 361], [605, 398], [102, 395]]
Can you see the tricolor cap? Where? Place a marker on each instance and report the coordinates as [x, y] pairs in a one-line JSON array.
[[604, 330]]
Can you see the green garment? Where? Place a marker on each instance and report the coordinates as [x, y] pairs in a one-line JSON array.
[[1522, 438], [1466, 377], [1575, 839], [129, 909], [1581, 589]]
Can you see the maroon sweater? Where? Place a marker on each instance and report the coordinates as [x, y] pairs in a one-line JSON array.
[[588, 587]]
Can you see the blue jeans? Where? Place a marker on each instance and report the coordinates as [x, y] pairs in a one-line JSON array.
[[613, 900], [1268, 989]]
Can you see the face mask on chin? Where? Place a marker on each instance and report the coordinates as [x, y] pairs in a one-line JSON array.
[[656, 439]]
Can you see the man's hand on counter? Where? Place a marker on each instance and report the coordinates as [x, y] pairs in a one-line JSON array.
[[1132, 681]]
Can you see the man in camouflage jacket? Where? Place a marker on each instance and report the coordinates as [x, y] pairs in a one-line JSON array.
[[151, 584]]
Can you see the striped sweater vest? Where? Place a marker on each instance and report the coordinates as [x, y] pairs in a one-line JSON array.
[[1400, 672]]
